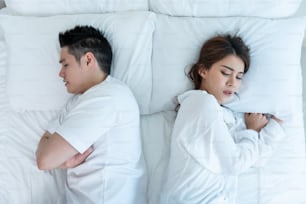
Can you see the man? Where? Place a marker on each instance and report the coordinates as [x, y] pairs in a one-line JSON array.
[[100, 123]]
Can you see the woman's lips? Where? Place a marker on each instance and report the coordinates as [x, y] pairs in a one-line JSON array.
[[227, 93]]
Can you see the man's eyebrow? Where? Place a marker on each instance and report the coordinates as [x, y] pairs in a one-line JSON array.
[[227, 67], [61, 61]]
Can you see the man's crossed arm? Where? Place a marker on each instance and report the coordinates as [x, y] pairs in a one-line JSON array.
[[54, 151]]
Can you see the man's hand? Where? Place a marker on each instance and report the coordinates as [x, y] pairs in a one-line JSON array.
[[77, 159]]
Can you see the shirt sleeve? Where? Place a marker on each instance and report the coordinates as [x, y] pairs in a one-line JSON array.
[[270, 137], [57, 121], [53, 125], [204, 136], [90, 118]]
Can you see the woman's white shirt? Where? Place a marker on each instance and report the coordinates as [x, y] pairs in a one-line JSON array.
[[210, 146]]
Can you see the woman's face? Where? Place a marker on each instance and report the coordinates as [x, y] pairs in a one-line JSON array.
[[223, 79]]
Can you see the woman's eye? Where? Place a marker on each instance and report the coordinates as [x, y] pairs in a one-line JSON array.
[[225, 73], [239, 77], [65, 65]]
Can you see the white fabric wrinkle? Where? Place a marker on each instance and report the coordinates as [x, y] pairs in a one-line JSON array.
[[270, 138]]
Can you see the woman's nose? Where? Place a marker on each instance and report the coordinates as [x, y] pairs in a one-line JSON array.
[[231, 82]]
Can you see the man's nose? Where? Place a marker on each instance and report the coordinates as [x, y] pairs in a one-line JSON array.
[[61, 73]]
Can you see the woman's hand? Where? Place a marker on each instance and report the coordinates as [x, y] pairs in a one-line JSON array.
[[255, 121], [77, 159], [277, 120]]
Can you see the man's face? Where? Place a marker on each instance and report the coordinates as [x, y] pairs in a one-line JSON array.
[[72, 72]]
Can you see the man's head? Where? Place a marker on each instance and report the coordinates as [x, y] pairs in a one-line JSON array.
[[82, 39], [86, 58]]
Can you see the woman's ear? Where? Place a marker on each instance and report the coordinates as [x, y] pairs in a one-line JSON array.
[[202, 71]]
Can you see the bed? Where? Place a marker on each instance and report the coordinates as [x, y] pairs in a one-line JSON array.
[[154, 43]]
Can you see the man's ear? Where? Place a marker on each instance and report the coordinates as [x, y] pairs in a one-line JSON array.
[[202, 71], [89, 59]]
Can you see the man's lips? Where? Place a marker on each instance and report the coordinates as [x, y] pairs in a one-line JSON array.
[[66, 82]]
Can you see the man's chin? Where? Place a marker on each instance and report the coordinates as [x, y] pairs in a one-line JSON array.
[[70, 91]]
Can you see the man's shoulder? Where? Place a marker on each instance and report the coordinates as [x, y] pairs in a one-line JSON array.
[[111, 84], [111, 90]]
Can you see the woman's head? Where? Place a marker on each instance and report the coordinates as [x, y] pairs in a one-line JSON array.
[[222, 62]]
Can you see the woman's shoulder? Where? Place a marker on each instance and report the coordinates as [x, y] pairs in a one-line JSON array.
[[198, 97], [197, 106]]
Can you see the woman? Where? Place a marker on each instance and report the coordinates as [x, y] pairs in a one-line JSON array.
[[210, 144]]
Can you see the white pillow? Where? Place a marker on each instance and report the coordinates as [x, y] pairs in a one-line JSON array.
[[274, 75], [33, 56], [55, 7], [202, 8]]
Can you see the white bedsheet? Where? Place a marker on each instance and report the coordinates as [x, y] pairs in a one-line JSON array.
[[282, 181], [20, 179]]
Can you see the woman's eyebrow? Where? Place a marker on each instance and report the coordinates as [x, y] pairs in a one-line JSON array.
[[229, 68]]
